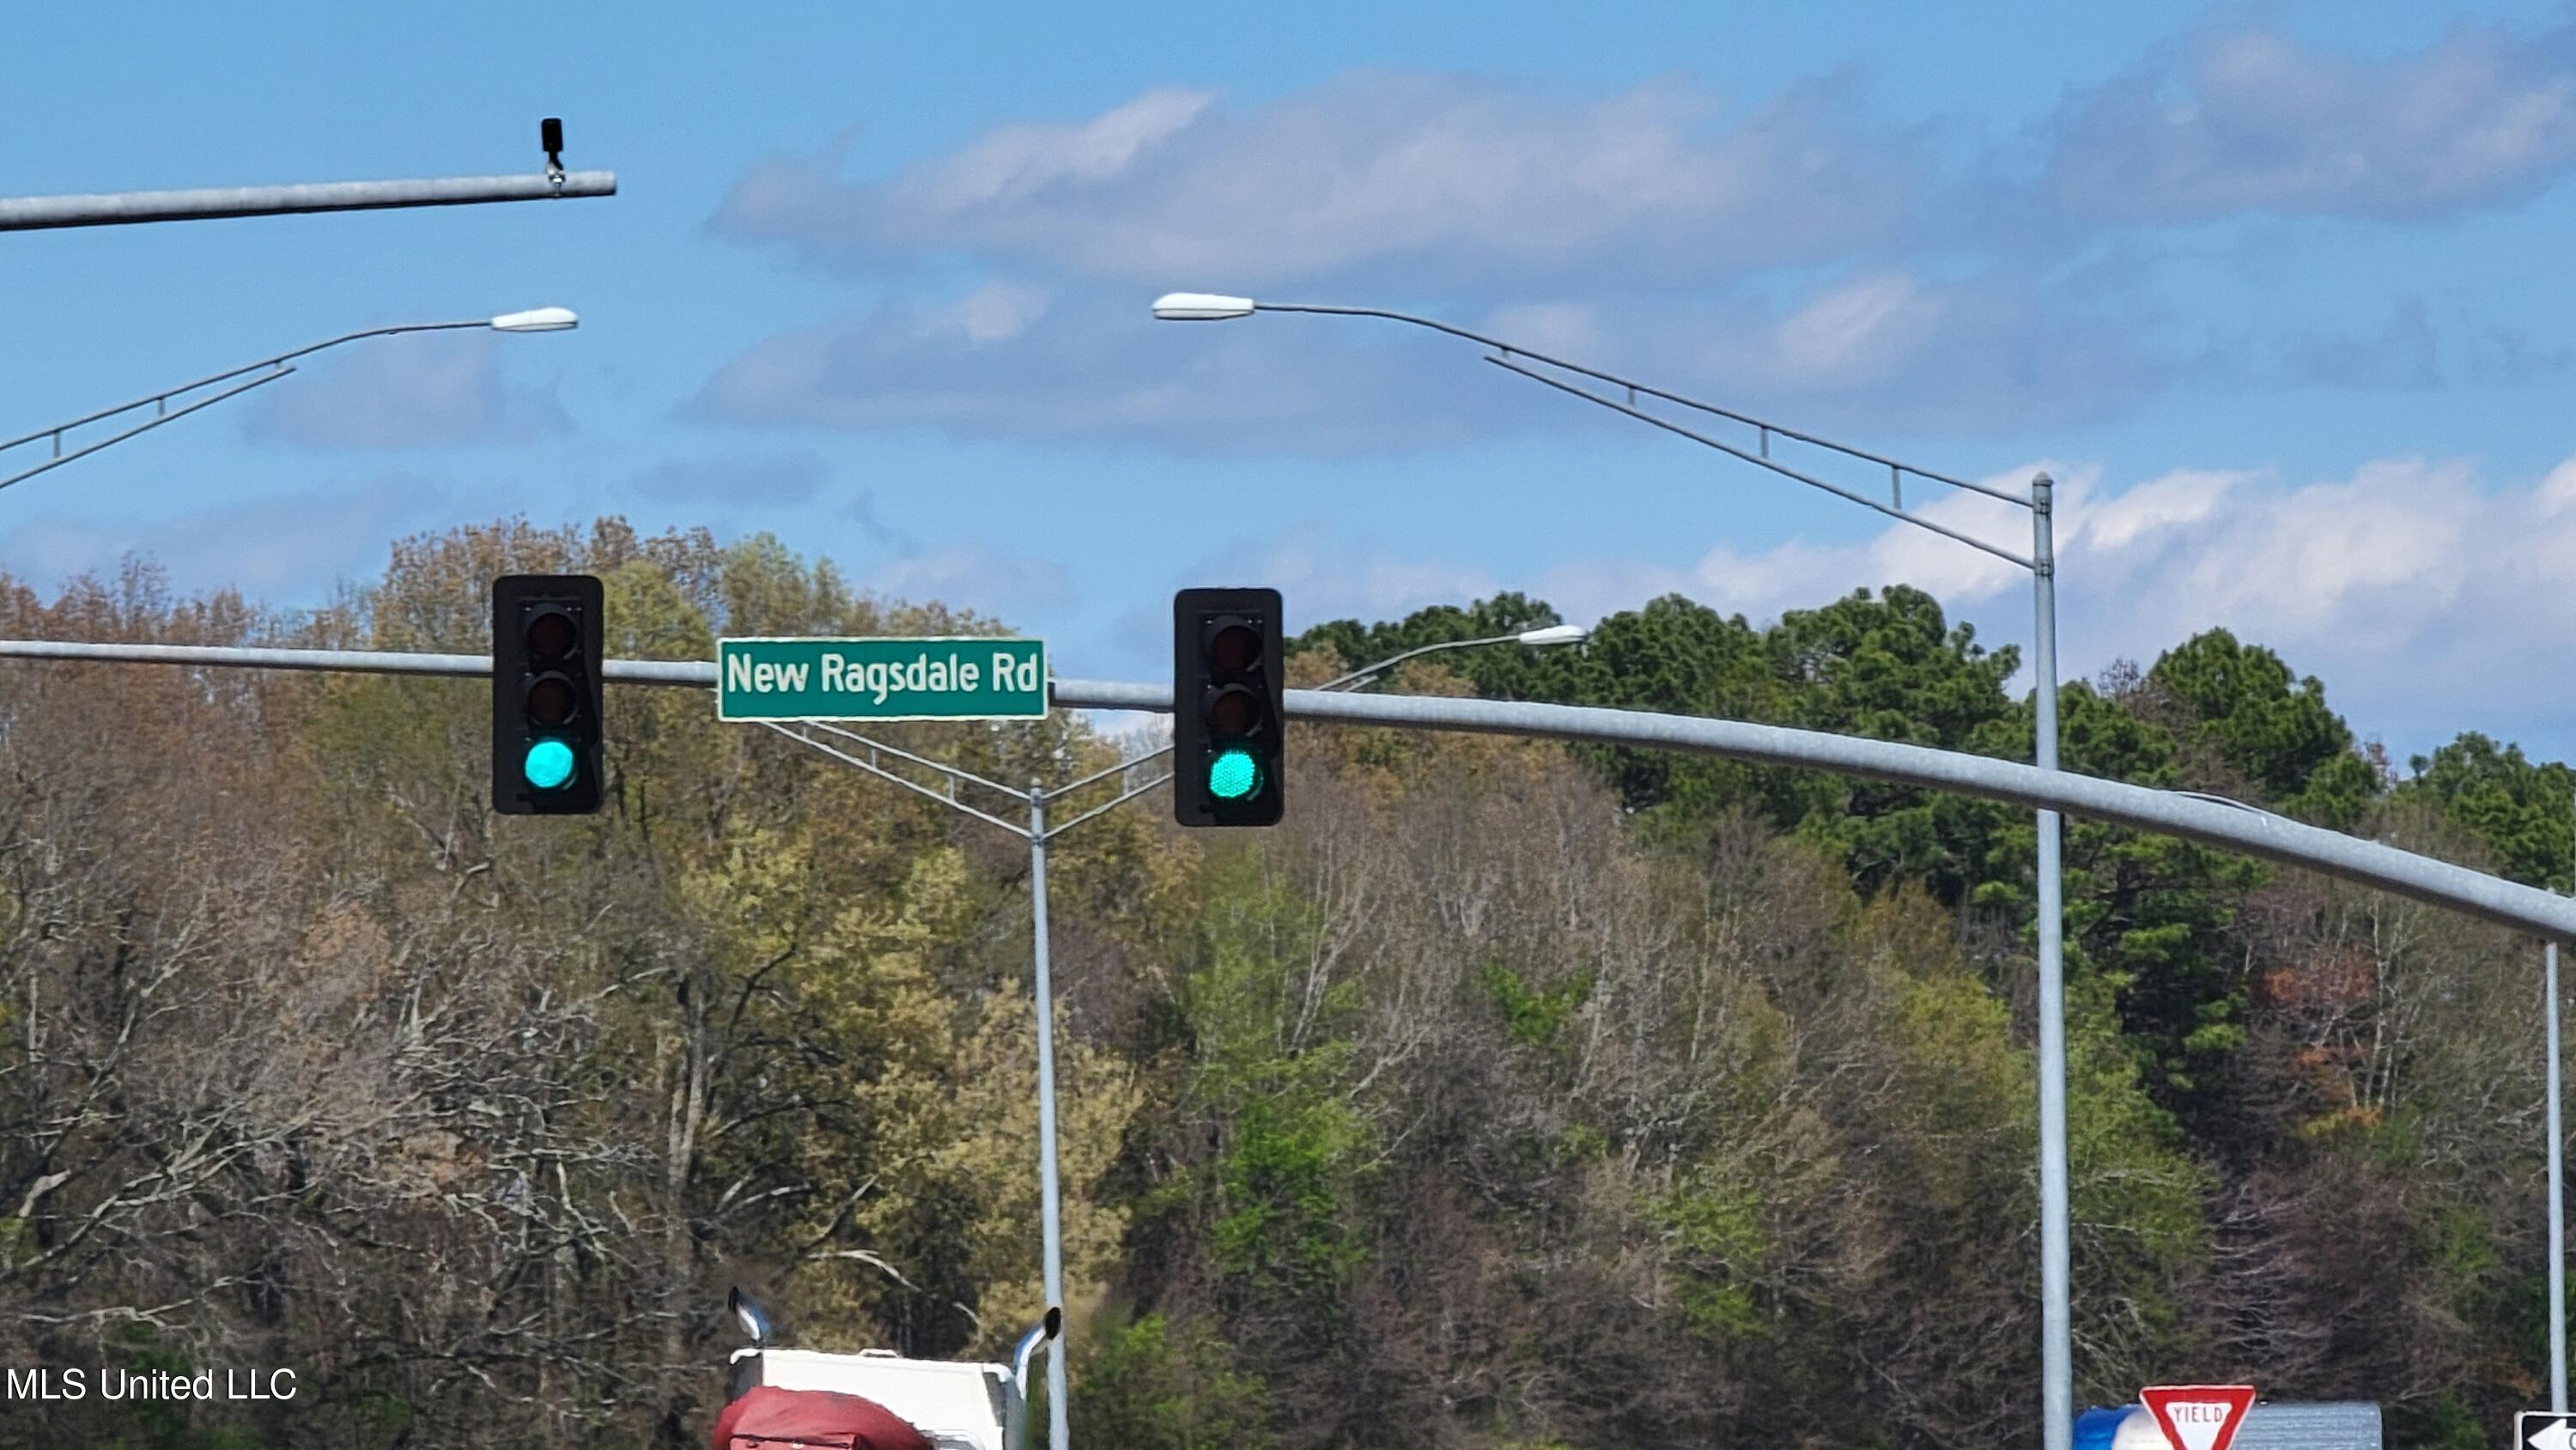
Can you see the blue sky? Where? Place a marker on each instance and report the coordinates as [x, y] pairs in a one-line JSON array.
[[2277, 293]]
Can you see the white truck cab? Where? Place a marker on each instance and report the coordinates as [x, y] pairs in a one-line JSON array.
[[958, 1405]]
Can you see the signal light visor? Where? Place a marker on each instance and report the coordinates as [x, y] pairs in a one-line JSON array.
[[1233, 645], [1231, 711], [552, 699], [551, 634]]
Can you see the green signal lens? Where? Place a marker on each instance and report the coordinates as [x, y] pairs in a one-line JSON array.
[[549, 764], [1232, 775]]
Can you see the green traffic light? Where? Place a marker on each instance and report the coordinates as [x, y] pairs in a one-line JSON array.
[[1232, 775], [548, 765]]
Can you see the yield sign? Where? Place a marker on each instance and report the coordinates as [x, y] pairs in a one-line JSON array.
[[2198, 1417]]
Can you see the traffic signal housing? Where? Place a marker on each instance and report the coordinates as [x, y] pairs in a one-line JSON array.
[[1229, 721], [546, 662]]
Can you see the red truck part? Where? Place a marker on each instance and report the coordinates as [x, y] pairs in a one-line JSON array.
[[769, 1418]]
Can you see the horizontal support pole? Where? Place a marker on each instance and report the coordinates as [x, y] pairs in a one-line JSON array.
[[38, 213], [2234, 827], [358, 661]]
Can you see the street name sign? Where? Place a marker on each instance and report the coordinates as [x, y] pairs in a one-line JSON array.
[[2198, 1417], [2544, 1430], [969, 677]]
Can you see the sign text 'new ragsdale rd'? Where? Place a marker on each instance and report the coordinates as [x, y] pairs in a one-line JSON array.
[[974, 677]]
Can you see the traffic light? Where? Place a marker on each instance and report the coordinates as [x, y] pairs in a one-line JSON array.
[[1229, 727], [546, 659]]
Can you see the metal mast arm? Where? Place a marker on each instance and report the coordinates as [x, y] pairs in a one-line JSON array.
[[37, 213], [1635, 389]]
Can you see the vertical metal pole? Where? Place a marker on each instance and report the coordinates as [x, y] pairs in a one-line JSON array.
[[2056, 1316], [2557, 1197], [1050, 1203], [2557, 1185]]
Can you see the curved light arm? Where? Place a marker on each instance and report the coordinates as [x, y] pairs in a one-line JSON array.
[[543, 319], [1536, 638], [1211, 307]]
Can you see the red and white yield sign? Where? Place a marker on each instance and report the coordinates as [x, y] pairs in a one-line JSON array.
[[2198, 1417]]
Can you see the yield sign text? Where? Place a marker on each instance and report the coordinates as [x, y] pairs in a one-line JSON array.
[[2198, 1417]]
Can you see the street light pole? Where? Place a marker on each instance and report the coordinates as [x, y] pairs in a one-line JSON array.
[[1050, 1201], [2557, 1176], [2056, 1290], [2057, 1353], [2557, 1192], [541, 319]]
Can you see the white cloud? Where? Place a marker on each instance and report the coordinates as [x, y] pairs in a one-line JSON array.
[[996, 311], [1374, 170], [1800, 575], [2151, 510], [1457, 183], [1645, 230], [1012, 164], [2268, 124], [992, 583], [2429, 601], [1323, 573], [1860, 329], [2558, 491]]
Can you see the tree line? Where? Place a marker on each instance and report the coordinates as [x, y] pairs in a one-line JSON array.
[[1510, 1096]]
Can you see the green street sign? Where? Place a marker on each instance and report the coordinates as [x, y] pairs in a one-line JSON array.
[[970, 677]]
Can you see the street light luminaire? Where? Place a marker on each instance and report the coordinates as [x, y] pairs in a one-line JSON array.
[[539, 319], [1554, 634], [1200, 307]]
